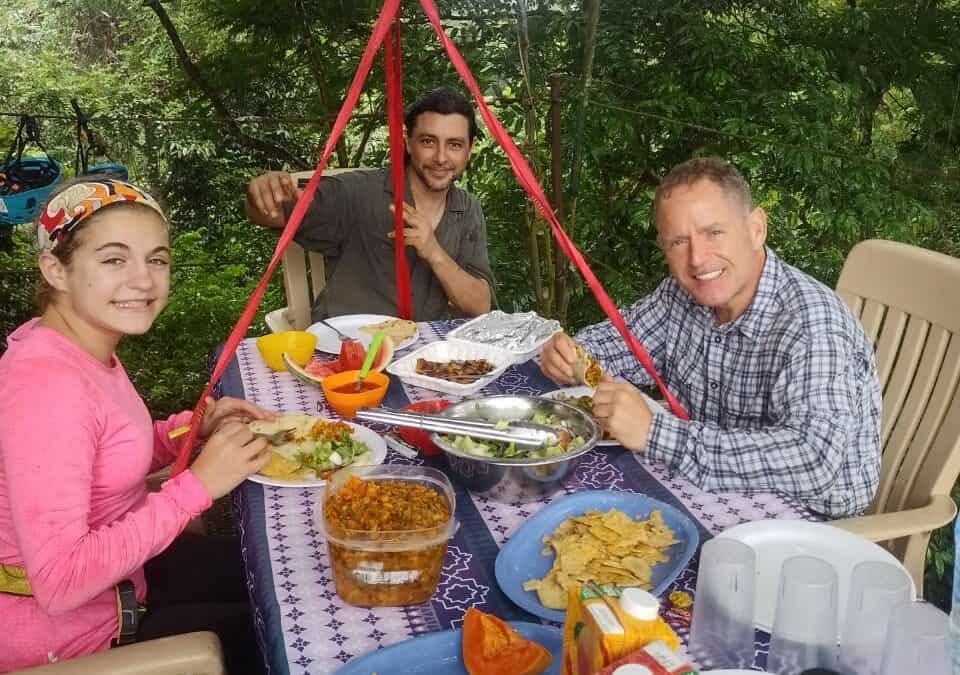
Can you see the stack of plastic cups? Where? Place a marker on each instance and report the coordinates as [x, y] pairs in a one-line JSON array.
[[805, 625], [875, 589], [721, 630], [917, 641]]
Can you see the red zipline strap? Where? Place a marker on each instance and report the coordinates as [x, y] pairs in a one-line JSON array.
[[387, 14], [391, 54], [529, 183]]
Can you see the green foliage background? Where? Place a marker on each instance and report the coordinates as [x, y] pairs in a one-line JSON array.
[[842, 114]]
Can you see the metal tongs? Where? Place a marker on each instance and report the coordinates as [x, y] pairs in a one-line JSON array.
[[520, 433]]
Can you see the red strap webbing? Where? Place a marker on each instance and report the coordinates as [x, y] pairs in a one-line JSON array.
[[387, 14], [529, 183], [395, 125]]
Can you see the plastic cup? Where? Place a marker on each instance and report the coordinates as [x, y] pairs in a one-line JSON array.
[[917, 641], [721, 631], [805, 624], [875, 589]]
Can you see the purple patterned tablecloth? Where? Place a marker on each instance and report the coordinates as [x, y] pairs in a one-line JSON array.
[[302, 624]]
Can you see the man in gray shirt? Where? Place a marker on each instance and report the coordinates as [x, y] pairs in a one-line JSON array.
[[350, 222]]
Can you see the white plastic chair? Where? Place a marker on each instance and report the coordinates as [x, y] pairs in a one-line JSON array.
[[304, 276], [907, 301]]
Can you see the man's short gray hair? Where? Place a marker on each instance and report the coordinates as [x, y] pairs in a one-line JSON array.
[[718, 171]]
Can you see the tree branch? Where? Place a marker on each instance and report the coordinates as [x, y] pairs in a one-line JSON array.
[[193, 73], [367, 130], [316, 67]]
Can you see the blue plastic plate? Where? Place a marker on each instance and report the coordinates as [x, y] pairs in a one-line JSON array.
[[521, 559], [440, 653]]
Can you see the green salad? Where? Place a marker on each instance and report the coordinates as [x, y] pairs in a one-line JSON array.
[[500, 450], [328, 446]]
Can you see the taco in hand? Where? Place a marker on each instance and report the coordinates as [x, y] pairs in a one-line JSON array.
[[586, 369]]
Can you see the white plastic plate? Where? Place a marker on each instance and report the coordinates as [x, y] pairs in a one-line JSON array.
[[776, 540], [374, 441], [350, 325], [577, 392]]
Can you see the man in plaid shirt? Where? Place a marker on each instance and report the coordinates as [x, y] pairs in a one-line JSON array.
[[776, 374]]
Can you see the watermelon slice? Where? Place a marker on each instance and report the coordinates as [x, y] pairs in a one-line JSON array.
[[321, 369], [311, 374], [352, 354], [351, 358]]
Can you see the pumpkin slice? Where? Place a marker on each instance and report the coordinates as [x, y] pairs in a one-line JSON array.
[[492, 647]]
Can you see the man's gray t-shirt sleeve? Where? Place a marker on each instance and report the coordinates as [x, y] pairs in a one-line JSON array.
[[474, 257], [323, 226]]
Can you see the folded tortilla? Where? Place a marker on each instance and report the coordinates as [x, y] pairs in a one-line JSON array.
[[586, 369]]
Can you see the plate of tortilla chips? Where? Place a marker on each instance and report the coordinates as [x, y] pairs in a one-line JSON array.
[[314, 448], [606, 537]]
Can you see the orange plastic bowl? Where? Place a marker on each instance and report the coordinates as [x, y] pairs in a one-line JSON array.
[[338, 391], [417, 438]]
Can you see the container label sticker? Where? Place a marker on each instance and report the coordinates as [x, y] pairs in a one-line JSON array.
[[373, 577]]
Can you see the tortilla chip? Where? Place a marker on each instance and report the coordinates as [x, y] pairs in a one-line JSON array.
[[603, 547], [281, 468]]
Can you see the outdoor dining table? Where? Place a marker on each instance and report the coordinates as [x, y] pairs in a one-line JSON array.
[[303, 625]]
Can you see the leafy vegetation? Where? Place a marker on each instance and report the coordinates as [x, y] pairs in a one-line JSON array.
[[842, 114]]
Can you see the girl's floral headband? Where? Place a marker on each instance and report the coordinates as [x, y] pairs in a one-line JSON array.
[[78, 202]]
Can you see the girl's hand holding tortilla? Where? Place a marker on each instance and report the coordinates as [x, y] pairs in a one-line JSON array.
[[622, 412], [558, 358], [230, 455], [218, 412]]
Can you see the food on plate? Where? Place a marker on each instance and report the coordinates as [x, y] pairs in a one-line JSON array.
[[491, 647], [566, 441], [465, 371], [398, 330], [602, 547], [351, 358], [373, 528], [586, 369], [583, 403], [281, 466], [314, 449]]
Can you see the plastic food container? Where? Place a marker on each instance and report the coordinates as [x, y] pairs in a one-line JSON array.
[[386, 568], [406, 368], [539, 330], [416, 437]]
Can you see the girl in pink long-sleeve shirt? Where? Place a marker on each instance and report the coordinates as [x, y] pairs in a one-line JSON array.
[[76, 440]]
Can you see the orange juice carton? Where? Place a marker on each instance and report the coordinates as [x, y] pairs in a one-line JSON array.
[[603, 624], [654, 659]]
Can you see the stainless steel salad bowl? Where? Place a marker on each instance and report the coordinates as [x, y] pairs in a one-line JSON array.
[[481, 474]]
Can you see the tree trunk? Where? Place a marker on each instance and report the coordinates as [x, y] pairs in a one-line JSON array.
[[591, 10], [539, 249]]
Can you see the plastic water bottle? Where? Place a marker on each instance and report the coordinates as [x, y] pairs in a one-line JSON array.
[[955, 607]]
